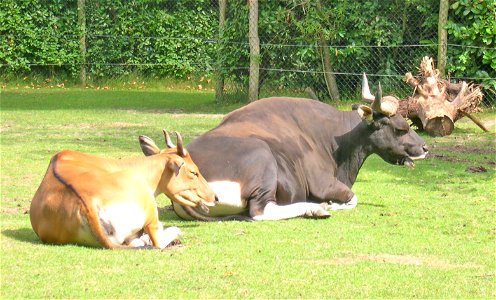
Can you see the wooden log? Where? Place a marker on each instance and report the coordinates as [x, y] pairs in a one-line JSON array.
[[437, 104]]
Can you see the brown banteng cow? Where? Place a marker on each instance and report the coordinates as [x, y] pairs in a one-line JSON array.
[[94, 201]]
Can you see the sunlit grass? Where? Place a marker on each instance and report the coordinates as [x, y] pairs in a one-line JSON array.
[[422, 233]]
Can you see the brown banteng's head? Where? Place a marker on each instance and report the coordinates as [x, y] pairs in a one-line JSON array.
[[185, 185], [390, 135]]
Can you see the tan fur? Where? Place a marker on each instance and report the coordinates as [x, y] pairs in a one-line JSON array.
[[77, 186]]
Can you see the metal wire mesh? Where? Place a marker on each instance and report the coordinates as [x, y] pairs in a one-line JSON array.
[[388, 40]]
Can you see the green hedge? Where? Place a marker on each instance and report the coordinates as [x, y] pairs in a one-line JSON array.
[[167, 38], [178, 38]]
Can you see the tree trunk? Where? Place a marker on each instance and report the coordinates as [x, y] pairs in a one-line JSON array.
[[442, 37], [219, 82], [254, 51], [330, 79], [437, 104], [82, 41]]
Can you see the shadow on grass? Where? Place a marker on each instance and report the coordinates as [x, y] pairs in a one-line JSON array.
[[150, 101], [370, 204], [25, 235]]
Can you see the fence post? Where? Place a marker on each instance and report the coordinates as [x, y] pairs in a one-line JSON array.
[[254, 51], [219, 83], [442, 37], [330, 79], [82, 41]]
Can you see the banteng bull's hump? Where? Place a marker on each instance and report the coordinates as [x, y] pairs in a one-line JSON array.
[[287, 157]]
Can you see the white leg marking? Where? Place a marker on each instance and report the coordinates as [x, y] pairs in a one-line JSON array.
[[137, 243], [348, 205], [125, 218], [168, 235], [273, 211], [165, 237]]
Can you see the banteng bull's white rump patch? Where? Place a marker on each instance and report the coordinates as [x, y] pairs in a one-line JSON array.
[[229, 201], [229, 198]]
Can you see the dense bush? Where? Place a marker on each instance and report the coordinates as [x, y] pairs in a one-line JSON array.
[[359, 42], [165, 38], [179, 38], [39, 32], [473, 25]]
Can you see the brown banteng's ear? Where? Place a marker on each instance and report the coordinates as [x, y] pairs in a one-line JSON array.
[[148, 146], [168, 141], [181, 151], [174, 164], [365, 112]]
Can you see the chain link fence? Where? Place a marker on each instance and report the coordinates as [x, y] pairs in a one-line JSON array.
[[191, 39]]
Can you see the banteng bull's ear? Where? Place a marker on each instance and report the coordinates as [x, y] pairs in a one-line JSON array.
[[175, 164], [365, 112], [148, 146]]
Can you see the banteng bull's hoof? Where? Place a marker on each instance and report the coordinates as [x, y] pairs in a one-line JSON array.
[[320, 211], [348, 205]]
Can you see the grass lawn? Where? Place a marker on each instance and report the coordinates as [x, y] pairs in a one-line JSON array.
[[422, 233]]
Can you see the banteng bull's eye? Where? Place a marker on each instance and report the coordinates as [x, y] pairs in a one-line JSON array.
[[401, 131]]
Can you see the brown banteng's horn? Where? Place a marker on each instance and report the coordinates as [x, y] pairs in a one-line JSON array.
[[168, 141], [181, 151]]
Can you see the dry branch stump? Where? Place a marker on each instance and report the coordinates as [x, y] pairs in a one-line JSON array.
[[436, 104]]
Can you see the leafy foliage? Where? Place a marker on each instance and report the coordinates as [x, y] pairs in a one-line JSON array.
[[179, 38], [38, 32], [120, 36], [473, 25]]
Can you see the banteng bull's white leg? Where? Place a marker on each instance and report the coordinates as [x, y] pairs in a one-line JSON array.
[[347, 205], [272, 211]]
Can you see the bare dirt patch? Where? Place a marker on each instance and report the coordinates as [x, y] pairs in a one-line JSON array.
[[428, 261], [176, 113], [203, 116], [14, 210], [459, 150], [155, 111], [112, 125]]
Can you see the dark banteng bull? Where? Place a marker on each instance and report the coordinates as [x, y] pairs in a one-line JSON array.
[[279, 158]]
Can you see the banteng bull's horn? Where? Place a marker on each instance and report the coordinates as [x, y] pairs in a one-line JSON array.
[[387, 105], [366, 94]]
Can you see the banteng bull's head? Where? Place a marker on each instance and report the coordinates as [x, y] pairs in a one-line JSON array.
[[391, 137], [186, 185]]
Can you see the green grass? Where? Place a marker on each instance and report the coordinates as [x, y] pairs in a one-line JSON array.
[[422, 233]]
